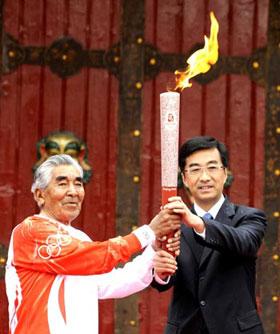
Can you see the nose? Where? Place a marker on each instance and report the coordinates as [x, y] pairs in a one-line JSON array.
[[72, 191], [204, 174]]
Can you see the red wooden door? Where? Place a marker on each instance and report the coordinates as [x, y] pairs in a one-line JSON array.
[[35, 101]]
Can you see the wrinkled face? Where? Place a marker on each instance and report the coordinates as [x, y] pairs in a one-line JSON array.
[[63, 197], [205, 177]]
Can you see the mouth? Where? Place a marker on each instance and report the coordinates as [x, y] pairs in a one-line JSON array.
[[72, 204], [205, 188]]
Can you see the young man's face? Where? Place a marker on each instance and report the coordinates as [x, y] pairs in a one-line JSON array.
[[63, 197], [205, 177]]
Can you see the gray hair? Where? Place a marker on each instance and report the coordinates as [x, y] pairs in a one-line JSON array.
[[43, 173]]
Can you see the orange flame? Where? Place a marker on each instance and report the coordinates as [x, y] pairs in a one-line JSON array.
[[201, 60]]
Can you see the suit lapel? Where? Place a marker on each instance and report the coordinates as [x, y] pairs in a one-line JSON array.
[[188, 235], [224, 216], [195, 247]]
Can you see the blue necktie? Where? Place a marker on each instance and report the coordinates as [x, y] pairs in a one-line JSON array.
[[199, 246], [207, 216]]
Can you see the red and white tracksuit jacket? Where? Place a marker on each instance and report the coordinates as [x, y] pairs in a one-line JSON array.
[[51, 265]]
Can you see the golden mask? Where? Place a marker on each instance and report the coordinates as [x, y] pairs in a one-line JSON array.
[[64, 142]]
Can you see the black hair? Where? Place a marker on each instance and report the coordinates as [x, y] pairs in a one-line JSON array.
[[201, 143]]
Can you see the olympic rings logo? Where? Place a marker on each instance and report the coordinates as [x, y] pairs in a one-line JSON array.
[[53, 246]]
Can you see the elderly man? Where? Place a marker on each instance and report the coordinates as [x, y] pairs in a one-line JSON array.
[[51, 265]]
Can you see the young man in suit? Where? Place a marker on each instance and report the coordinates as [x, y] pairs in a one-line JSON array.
[[214, 286]]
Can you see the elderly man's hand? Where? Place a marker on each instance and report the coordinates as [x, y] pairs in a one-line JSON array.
[[172, 243], [164, 264], [165, 222]]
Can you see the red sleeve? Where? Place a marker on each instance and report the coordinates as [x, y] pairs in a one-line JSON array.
[[45, 246]]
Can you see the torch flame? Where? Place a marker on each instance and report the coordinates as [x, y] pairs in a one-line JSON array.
[[201, 60]]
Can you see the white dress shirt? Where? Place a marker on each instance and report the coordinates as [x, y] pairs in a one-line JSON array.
[[213, 212]]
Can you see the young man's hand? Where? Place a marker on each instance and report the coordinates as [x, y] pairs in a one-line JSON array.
[[177, 206]]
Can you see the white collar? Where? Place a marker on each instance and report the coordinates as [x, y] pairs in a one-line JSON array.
[[45, 216], [213, 210]]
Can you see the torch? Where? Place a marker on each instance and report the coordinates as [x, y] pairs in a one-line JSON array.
[[169, 120], [199, 62]]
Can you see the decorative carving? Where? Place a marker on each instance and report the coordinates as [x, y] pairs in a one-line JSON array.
[[112, 60], [65, 57], [152, 61], [13, 54], [66, 142], [253, 66], [256, 66]]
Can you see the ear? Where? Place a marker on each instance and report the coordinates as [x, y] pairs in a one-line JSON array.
[[39, 198], [184, 179], [226, 175]]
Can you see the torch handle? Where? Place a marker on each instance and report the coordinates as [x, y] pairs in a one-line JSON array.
[[167, 192]]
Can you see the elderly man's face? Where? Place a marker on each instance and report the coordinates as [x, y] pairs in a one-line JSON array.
[[63, 197]]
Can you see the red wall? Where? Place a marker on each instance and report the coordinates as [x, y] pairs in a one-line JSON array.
[[36, 101]]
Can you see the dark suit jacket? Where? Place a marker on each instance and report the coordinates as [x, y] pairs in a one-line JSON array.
[[215, 280]]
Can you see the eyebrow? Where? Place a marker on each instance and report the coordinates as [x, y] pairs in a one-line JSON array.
[[62, 178], [208, 163]]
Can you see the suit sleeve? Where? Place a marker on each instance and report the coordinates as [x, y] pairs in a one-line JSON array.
[[242, 239], [45, 246], [163, 287]]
